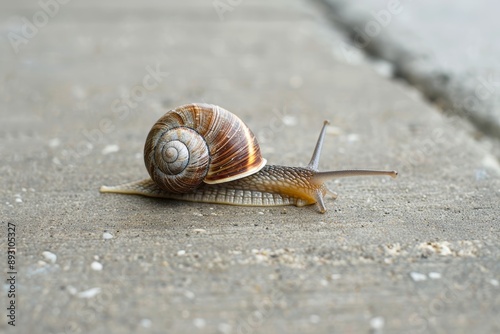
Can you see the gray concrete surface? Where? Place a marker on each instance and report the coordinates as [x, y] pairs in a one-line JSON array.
[[417, 254], [448, 50]]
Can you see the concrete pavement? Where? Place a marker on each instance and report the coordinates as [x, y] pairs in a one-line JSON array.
[[413, 255], [447, 51]]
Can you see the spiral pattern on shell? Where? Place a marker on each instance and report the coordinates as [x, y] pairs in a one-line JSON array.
[[198, 143]]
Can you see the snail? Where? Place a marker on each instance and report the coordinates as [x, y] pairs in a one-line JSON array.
[[204, 153]]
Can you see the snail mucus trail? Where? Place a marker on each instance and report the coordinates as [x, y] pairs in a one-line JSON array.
[[203, 153]]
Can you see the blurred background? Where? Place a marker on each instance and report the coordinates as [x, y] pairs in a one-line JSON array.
[[105, 67]]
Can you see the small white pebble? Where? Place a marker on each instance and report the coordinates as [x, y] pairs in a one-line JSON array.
[[314, 318], [89, 293], [260, 258], [54, 142], [19, 200], [352, 137], [199, 322], [24, 189], [107, 235], [146, 323], [289, 120], [110, 149], [49, 256], [181, 252], [481, 174], [199, 230], [333, 130], [434, 275], [417, 277], [494, 282], [197, 214], [260, 213], [335, 276], [377, 323], [383, 68], [97, 266], [189, 294]]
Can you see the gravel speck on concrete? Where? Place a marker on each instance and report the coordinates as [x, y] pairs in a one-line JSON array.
[[97, 266], [418, 277], [434, 275], [90, 293], [107, 236], [110, 149], [49, 256]]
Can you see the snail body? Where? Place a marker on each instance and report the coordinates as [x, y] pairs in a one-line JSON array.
[[204, 153]]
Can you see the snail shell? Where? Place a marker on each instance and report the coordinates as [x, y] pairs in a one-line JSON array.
[[197, 143]]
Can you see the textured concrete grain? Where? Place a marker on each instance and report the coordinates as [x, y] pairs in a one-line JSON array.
[[415, 254]]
